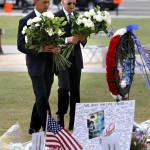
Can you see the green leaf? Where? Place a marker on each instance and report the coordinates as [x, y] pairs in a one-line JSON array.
[[64, 23]]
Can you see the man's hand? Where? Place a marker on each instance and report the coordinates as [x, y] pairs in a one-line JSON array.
[[48, 48], [73, 39], [82, 38], [56, 50], [51, 49]]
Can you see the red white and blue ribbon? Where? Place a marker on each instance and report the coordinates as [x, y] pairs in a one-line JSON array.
[[130, 28]]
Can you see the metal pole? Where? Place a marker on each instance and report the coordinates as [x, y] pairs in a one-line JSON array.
[[1, 52], [117, 11]]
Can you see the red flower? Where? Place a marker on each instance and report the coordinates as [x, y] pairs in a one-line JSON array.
[[110, 63]]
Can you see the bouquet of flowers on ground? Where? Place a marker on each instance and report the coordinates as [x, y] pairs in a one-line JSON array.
[[89, 22], [139, 137], [46, 30]]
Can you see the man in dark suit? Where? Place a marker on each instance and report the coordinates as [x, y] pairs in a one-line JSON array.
[[69, 80], [39, 67]]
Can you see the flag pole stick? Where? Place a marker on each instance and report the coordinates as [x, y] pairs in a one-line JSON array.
[[46, 129]]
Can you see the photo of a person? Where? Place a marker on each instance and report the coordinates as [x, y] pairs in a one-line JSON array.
[[95, 124]]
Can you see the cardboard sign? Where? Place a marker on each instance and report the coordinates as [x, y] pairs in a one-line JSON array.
[[103, 126], [117, 1]]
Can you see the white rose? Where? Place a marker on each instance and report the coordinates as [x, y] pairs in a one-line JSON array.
[[116, 97], [24, 29], [79, 21], [48, 14], [123, 84], [106, 13], [80, 16], [89, 24], [120, 32], [98, 18], [37, 24], [126, 95], [26, 39], [49, 31], [119, 97], [87, 14], [84, 20], [99, 13], [36, 19], [92, 12], [108, 21], [29, 22]]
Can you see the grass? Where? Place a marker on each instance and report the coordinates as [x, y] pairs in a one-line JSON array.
[[118, 23], [17, 98], [10, 25]]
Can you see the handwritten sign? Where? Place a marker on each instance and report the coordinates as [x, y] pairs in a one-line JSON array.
[[96, 122]]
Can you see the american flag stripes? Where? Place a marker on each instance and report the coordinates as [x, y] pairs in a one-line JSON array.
[[52, 141], [58, 137]]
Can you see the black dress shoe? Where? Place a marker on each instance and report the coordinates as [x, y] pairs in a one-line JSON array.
[[70, 127], [71, 123], [60, 120], [32, 130]]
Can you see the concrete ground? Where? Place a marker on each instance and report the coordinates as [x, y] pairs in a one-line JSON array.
[[13, 60], [94, 61]]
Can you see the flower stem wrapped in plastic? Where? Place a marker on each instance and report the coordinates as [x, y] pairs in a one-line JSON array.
[[46, 30]]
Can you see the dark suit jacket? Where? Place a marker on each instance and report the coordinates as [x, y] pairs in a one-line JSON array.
[[77, 48], [36, 62]]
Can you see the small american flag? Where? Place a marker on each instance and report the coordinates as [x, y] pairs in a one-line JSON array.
[[58, 138]]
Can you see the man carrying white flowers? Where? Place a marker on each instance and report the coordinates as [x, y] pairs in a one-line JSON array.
[[69, 79], [39, 65]]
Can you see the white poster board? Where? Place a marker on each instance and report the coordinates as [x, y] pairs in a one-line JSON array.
[[38, 141], [104, 126]]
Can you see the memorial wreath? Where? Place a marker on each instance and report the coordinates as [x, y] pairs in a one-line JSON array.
[[120, 62]]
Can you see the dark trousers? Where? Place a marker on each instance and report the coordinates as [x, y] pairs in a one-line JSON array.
[[42, 88], [69, 91]]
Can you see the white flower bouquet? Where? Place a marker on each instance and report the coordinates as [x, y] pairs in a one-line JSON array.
[[100, 18], [139, 137], [81, 25], [89, 22], [46, 30]]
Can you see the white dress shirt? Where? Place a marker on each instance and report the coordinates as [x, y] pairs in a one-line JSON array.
[[67, 15], [38, 14]]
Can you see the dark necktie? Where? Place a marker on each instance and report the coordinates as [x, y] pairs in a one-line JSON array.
[[70, 20]]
